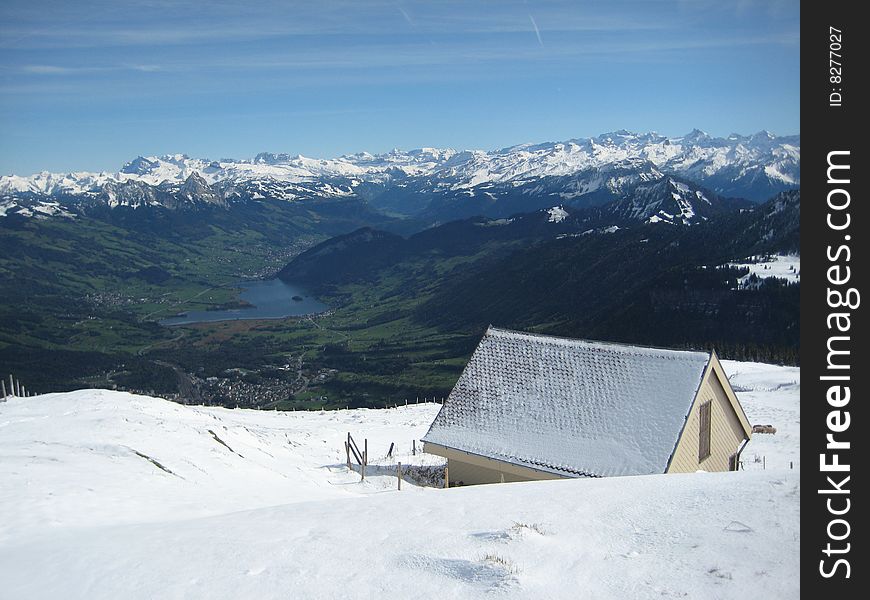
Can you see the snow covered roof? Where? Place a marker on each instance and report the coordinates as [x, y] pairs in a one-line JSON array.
[[573, 407]]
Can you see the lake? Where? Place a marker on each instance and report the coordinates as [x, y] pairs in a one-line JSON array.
[[271, 299]]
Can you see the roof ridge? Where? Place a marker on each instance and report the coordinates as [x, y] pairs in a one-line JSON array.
[[498, 331]]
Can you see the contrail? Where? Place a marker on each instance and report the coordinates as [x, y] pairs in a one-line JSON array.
[[406, 15], [537, 31]]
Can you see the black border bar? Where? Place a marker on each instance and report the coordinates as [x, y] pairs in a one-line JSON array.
[[834, 331]]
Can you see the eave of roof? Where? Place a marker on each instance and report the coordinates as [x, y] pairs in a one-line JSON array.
[[564, 472]]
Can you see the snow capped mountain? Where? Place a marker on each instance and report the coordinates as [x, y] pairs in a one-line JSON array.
[[668, 200], [196, 189], [52, 184], [696, 155], [132, 193], [588, 171]]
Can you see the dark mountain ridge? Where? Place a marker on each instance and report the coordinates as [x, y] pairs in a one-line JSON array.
[[656, 282]]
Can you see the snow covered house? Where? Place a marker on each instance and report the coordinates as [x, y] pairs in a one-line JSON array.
[[530, 407]]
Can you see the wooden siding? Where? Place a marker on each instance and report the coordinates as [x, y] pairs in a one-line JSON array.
[[471, 469], [728, 426]]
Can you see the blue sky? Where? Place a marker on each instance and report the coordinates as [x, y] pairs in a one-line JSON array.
[[88, 85]]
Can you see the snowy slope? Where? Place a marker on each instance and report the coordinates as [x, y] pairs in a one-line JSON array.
[[787, 268], [259, 504], [84, 458], [770, 396]]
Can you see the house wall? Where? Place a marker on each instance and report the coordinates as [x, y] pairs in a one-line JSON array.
[[727, 432], [472, 469]]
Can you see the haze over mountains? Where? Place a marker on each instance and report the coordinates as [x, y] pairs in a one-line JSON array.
[[434, 184]]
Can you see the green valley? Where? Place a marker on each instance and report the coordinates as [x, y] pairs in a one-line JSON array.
[[82, 297]]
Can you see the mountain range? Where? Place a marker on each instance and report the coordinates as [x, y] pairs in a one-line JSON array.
[[623, 237], [437, 185]]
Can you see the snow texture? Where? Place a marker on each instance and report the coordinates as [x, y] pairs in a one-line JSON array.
[[769, 396], [572, 407]]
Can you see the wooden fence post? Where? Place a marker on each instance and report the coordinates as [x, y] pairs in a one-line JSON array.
[[11, 386], [414, 447], [3, 383], [446, 477], [399, 476], [354, 449], [365, 457], [347, 451]]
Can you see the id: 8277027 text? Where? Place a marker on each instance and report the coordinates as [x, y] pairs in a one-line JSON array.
[[835, 66]]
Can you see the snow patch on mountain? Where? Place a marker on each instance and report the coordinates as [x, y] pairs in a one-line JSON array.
[[557, 214], [785, 267], [40, 209]]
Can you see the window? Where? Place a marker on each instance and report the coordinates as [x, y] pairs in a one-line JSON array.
[[705, 417]]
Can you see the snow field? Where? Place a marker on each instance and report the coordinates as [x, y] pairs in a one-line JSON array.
[[110, 495], [769, 396], [85, 458], [782, 267], [699, 536]]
